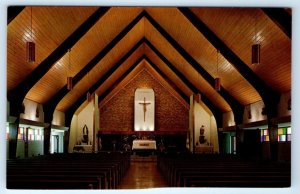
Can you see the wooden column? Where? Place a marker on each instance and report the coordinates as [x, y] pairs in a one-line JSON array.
[[13, 139], [273, 134], [66, 140], [26, 142], [47, 136], [239, 141]]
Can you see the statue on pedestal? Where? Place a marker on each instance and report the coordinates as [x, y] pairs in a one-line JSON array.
[[85, 135], [201, 138]]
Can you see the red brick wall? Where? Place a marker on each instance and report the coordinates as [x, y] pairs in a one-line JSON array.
[[118, 113]]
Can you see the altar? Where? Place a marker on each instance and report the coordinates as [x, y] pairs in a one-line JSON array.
[[83, 148], [143, 144], [204, 149], [143, 147]]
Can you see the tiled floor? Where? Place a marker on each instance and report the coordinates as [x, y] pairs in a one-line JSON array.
[[142, 175]]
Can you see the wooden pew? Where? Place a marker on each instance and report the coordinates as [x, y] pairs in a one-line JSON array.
[[75, 171], [215, 171]]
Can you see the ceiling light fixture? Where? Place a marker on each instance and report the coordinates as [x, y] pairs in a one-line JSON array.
[[218, 79], [30, 45], [256, 46], [88, 94], [69, 78]]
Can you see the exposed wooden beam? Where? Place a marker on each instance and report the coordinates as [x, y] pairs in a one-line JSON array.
[[281, 18], [170, 82], [116, 82], [269, 96], [217, 113], [236, 107], [18, 94], [99, 82], [52, 103], [12, 12], [70, 112]]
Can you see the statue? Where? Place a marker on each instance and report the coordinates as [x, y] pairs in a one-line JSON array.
[[85, 134], [201, 138]]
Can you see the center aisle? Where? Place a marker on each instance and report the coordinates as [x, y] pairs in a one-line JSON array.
[[142, 174]]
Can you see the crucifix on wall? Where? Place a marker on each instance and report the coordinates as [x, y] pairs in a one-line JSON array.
[[144, 109]]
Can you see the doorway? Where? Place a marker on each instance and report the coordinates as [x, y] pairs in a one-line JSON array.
[[55, 143]]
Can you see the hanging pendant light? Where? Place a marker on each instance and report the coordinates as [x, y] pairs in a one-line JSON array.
[[69, 78], [88, 96], [218, 84], [69, 83], [217, 79], [255, 54], [255, 58], [30, 45]]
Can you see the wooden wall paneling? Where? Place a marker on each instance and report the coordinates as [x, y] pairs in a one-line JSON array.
[[79, 101], [281, 18], [12, 12], [18, 93], [201, 50], [103, 66], [121, 82], [184, 67], [70, 112], [121, 70], [235, 105], [168, 71], [269, 96], [167, 83], [52, 103], [45, 33], [207, 101], [92, 42], [236, 28]]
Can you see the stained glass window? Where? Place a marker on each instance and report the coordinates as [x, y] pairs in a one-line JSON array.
[[264, 134], [21, 134], [31, 134], [284, 134], [7, 132]]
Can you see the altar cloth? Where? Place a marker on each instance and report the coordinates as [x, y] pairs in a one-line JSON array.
[[144, 145]]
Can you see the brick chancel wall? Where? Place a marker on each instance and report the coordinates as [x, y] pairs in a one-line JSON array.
[[118, 113]]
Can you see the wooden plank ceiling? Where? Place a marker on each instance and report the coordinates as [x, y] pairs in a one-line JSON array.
[[236, 27]]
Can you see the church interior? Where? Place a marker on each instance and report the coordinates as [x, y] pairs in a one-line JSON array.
[[148, 97]]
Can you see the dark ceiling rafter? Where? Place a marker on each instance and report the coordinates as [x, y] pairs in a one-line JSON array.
[[116, 82], [12, 12], [237, 108], [99, 82], [217, 113], [52, 103], [70, 112], [166, 78], [269, 96], [206, 101], [18, 94], [281, 18]]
